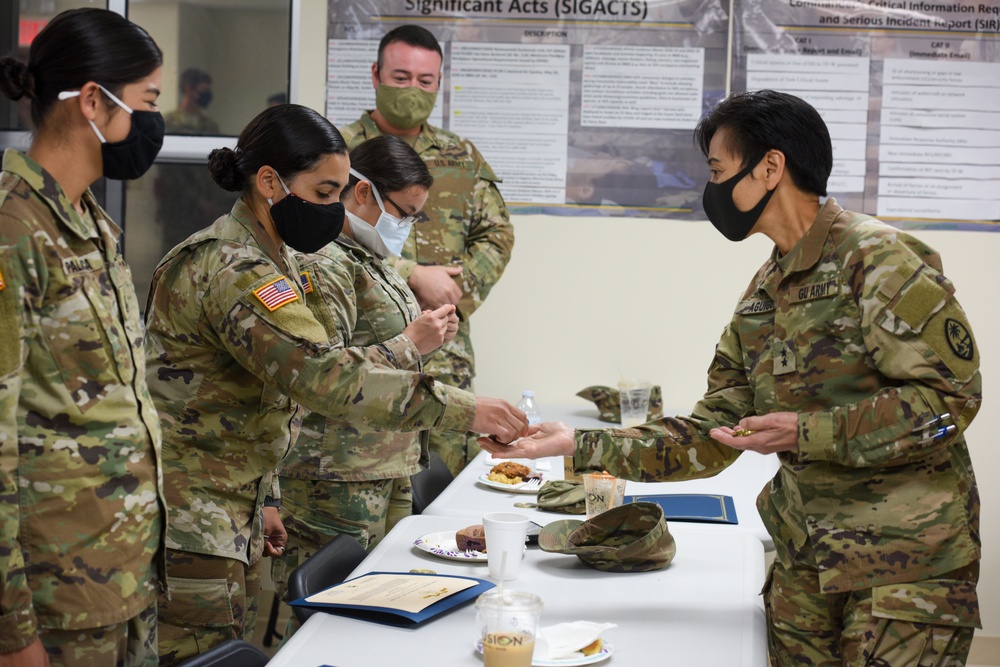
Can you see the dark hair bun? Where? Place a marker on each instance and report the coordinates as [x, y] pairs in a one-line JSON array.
[[224, 164], [16, 80]]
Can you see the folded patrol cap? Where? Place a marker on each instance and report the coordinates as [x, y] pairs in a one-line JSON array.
[[627, 538]]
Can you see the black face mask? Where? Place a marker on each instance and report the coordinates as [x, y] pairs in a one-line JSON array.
[[132, 157], [733, 223], [305, 226], [204, 98]]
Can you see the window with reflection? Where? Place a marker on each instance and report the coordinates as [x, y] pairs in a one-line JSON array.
[[164, 207], [222, 61]]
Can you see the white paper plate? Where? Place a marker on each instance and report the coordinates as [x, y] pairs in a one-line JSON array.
[[572, 661], [443, 545], [509, 488]]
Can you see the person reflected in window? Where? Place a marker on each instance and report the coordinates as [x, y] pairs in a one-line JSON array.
[[196, 95], [185, 194]]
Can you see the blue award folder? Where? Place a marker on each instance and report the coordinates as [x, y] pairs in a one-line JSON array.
[[703, 507], [420, 597]]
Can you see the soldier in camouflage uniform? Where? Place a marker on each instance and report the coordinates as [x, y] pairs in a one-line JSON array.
[[82, 511], [850, 357], [461, 252], [232, 351], [340, 477]]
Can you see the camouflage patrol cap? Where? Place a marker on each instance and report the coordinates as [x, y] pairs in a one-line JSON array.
[[627, 538]]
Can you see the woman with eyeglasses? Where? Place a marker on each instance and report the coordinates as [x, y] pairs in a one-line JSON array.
[[234, 355], [341, 477], [81, 506]]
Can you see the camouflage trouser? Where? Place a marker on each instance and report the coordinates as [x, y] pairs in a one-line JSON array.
[[212, 599], [128, 644], [456, 448], [886, 626], [316, 511]]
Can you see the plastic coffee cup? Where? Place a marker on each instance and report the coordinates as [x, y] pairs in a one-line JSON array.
[[508, 623], [505, 534], [634, 396], [602, 492]]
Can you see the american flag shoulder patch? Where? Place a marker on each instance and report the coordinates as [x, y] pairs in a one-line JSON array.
[[307, 284], [276, 294]]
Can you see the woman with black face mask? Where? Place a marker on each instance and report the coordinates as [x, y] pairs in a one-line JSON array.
[[82, 512], [235, 358]]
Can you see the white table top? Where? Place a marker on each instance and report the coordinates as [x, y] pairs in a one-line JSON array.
[[743, 480], [703, 609]]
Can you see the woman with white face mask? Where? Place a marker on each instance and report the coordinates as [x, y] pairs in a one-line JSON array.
[[340, 477]]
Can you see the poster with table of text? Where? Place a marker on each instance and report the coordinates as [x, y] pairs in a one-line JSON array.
[[909, 89], [581, 107]]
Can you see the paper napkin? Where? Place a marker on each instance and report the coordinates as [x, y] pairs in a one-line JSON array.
[[560, 640]]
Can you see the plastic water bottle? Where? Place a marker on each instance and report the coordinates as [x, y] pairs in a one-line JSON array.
[[528, 406]]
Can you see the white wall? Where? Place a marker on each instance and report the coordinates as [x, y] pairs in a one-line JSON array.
[[586, 300]]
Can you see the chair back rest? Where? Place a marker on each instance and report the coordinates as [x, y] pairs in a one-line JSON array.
[[428, 484], [330, 565], [230, 653]]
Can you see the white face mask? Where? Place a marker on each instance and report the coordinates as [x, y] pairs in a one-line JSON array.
[[366, 236], [392, 230]]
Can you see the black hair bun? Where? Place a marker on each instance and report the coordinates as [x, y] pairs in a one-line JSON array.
[[224, 164], [16, 79]]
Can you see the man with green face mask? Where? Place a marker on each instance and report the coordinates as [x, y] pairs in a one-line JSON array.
[[460, 253]]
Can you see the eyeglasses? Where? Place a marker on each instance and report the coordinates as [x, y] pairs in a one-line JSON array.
[[406, 219]]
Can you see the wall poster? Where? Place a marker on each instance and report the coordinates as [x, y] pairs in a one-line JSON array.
[[587, 107], [582, 107], [910, 90]]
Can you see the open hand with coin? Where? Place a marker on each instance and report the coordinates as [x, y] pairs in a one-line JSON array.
[[765, 434]]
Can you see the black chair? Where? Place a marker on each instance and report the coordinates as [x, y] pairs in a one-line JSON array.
[[231, 653], [428, 484], [271, 631], [328, 566]]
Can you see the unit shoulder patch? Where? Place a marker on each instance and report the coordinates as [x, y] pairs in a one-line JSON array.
[[959, 339]]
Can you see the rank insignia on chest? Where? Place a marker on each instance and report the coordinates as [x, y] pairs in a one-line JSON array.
[[276, 294], [307, 285], [784, 358]]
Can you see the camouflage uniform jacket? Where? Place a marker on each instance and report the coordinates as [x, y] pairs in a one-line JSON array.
[[857, 331], [467, 225], [179, 121], [362, 302], [82, 511], [231, 349]]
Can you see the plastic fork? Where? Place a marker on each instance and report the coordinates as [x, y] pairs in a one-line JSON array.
[[531, 484]]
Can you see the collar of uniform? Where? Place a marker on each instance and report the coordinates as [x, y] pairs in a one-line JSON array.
[[279, 254], [355, 248], [41, 181], [809, 249], [427, 138]]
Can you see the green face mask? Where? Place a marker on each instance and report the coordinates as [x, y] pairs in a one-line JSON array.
[[404, 108]]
